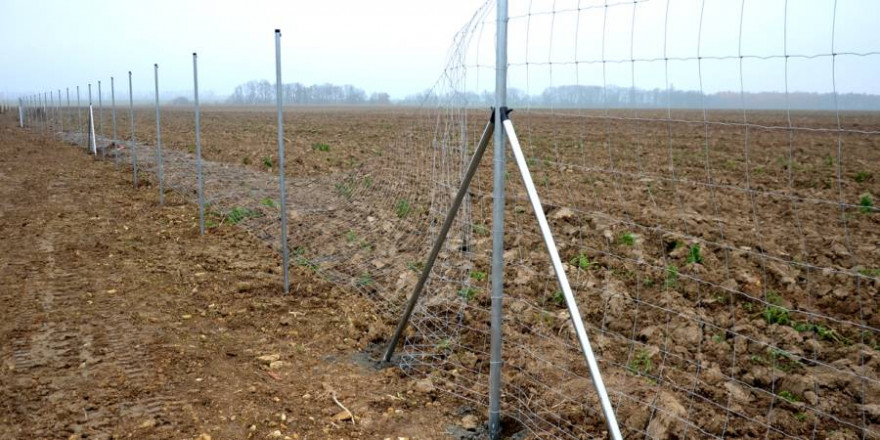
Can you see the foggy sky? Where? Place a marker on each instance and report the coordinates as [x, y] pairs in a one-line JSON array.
[[400, 46], [397, 46]]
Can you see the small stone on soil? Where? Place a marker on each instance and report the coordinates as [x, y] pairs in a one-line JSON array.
[[424, 386], [269, 358], [470, 422], [562, 214]]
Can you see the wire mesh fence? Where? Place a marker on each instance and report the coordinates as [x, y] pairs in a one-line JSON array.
[[717, 222], [722, 244]]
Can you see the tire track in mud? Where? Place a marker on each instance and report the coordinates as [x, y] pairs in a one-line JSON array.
[[69, 338]]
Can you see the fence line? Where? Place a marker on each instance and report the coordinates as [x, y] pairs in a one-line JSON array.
[[726, 262]]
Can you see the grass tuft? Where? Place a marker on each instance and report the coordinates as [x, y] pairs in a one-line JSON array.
[[671, 276], [478, 275], [402, 208], [582, 261], [239, 214], [866, 204], [468, 293], [788, 396], [694, 256]]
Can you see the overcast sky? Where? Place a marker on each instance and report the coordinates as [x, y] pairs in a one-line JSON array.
[[400, 46]]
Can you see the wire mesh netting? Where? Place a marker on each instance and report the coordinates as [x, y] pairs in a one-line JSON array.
[[720, 237], [709, 170]]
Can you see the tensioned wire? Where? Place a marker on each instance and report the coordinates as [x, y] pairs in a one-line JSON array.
[[356, 230]]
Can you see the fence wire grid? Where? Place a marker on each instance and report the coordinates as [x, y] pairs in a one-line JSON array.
[[721, 238]]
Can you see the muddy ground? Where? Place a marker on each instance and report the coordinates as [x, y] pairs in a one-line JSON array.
[[120, 321]]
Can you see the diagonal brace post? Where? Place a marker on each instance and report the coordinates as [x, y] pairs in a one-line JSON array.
[[441, 237], [573, 311]]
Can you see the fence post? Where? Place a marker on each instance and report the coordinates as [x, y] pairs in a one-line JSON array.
[[285, 253], [499, 169], [40, 113], [67, 107], [200, 183], [90, 128], [159, 164], [60, 116], [101, 122], [51, 108], [79, 118], [132, 146], [115, 134], [93, 139], [46, 120], [92, 145]]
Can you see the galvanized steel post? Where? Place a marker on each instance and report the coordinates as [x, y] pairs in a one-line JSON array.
[[159, 164], [499, 169], [131, 143], [201, 188], [285, 252]]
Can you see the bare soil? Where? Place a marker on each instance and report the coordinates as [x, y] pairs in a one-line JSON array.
[[770, 331], [120, 321]]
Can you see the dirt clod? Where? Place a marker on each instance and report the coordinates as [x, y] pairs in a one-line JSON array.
[[424, 386]]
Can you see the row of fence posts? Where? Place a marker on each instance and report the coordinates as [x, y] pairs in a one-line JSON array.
[[37, 102], [34, 110]]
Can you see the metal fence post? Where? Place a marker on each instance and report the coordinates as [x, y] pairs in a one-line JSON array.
[[115, 133], [93, 145], [46, 120], [79, 118], [131, 143], [40, 113], [159, 164], [66, 107], [44, 105], [285, 253], [499, 169], [60, 116], [101, 122], [90, 128], [93, 139], [200, 183], [52, 109]]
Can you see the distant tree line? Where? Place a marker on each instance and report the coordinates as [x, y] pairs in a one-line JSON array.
[[566, 96], [578, 96], [263, 92]]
